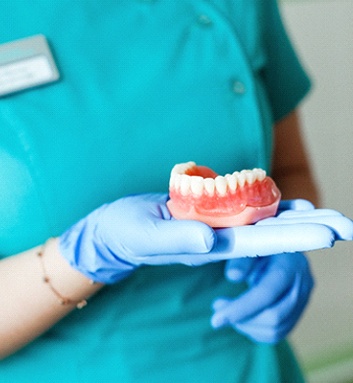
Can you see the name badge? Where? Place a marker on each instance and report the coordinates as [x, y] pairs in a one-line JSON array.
[[26, 63]]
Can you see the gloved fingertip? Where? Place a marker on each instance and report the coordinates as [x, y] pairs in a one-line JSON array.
[[346, 232], [210, 238], [219, 303], [207, 236], [235, 275], [238, 269], [217, 321], [330, 241], [190, 236]]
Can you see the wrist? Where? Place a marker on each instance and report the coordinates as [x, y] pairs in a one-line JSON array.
[[66, 285]]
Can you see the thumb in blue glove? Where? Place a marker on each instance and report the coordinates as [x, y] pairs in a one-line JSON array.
[[115, 239], [279, 289]]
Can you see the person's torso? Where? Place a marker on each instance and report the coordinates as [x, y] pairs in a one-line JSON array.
[[144, 85]]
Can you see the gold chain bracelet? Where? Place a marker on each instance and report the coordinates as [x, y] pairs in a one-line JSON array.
[[62, 300]]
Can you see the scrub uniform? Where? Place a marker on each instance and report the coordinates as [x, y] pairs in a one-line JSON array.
[[144, 85]]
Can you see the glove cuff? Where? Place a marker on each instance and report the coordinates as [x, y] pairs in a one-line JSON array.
[[86, 253]]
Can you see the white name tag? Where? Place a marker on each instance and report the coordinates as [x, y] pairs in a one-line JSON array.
[[25, 64]]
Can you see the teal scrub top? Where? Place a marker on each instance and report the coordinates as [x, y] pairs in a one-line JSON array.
[[144, 84]]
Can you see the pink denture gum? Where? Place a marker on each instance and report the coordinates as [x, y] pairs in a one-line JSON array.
[[242, 198]]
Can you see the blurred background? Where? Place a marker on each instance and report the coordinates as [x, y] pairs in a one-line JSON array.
[[322, 31]]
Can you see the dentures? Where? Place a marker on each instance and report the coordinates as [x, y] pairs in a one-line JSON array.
[[197, 192]]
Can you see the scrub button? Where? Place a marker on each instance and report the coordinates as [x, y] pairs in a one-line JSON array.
[[204, 20], [238, 87]]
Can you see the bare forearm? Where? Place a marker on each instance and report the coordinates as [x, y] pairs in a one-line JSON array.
[[292, 170], [296, 184], [29, 306]]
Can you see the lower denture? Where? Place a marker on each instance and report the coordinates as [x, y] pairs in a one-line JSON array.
[[198, 193]]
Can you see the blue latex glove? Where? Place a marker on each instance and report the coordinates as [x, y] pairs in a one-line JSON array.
[[116, 238], [279, 289], [279, 285]]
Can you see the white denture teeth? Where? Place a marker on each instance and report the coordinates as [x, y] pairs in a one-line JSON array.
[[221, 185], [198, 185], [182, 168], [260, 174], [209, 184], [250, 176], [232, 182], [176, 181], [240, 178], [185, 183]]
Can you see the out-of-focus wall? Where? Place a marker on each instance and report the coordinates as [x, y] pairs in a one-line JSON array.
[[323, 34]]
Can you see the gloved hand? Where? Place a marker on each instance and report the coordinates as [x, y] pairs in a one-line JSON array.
[[279, 285], [114, 239], [279, 289], [298, 226]]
